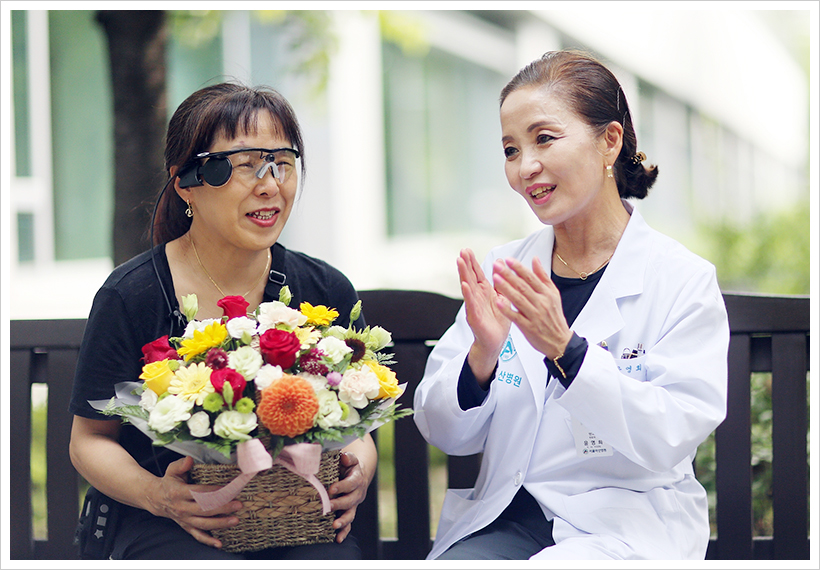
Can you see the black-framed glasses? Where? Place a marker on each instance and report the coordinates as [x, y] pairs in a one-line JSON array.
[[249, 165]]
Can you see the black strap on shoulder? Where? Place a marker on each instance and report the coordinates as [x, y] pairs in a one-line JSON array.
[[277, 265]]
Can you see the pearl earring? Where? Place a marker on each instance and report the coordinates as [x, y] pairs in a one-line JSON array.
[[609, 171]]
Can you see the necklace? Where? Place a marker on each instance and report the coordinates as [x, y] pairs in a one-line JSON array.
[[582, 274], [208, 275]]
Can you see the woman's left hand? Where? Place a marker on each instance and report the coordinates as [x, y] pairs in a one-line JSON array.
[[536, 301], [357, 467], [347, 493]]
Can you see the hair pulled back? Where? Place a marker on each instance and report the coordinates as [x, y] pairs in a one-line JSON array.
[[593, 92], [224, 109]]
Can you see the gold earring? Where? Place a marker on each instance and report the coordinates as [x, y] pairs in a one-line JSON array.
[[609, 171], [189, 212]]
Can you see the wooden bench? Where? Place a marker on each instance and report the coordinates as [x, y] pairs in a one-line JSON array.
[[768, 334]]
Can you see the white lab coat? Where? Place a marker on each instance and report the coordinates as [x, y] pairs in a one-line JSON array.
[[633, 495]]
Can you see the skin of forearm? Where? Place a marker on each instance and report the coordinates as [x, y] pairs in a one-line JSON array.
[[103, 462]]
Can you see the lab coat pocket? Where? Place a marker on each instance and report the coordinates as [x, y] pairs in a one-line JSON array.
[[633, 367], [457, 506], [646, 521]]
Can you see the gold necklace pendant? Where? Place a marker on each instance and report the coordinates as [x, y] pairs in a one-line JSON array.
[[211, 279], [583, 274]]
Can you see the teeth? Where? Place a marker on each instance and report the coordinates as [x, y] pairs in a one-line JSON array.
[[261, 215], [542, 191]]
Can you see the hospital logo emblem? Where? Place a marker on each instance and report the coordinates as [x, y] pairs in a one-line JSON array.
[[508, 352]]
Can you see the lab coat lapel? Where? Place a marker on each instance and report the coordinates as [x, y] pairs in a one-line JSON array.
[[601, 317]]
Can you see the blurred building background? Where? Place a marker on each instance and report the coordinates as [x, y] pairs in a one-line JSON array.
[[400, 116]]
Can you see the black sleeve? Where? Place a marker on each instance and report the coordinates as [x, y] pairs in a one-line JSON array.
[[470, 393], [571, 361], [110, 353]]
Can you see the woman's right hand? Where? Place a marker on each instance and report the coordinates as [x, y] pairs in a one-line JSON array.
[[489, 325], [98, 456], [172, 499]]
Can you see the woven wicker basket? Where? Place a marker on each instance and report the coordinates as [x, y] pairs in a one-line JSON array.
[[279, 508]]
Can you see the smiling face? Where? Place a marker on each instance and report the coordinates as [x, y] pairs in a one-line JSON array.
[[553, 159], [246, 213]]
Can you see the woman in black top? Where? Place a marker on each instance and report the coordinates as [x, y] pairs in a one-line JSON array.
[[215, 235]]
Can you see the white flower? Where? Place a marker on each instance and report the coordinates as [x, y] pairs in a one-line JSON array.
[[238, 326], [334, 348], [266, 375], [169, 412], [337, 332], [245, 360], [352, 415], [200, 424], [275, 312], [358, 387], [235, 425], [318, 382], [148, 399], [330, 412], [197, 326], [379, 338]]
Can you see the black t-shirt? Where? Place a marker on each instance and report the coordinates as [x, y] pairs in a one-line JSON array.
[[130, 310]]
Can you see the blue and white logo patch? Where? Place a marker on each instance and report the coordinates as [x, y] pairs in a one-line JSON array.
[[508, 353]]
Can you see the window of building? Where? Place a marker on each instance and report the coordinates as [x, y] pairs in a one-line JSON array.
[[444, 163]]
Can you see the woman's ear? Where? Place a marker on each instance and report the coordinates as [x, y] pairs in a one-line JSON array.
[[611, 141], [184, 193]]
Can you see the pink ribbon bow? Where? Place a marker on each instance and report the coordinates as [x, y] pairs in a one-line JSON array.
[[252, 457]]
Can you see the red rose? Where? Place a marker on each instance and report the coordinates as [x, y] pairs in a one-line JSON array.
[[159, 350], [279, 348], [232, 377], [233, 306]]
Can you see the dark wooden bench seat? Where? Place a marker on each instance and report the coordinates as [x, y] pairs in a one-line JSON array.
[[769, 334]]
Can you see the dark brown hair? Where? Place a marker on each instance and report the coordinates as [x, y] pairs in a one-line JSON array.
[[224, 109], [593, 92]]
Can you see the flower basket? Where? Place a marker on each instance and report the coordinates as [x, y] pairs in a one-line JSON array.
[[279, 508], [276, 387]]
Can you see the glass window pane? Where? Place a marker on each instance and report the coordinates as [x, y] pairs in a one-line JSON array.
[[22, 135], [25, 237], [445, 167]]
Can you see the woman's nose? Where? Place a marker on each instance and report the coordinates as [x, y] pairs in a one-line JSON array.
[[530, 165], [265, 183]]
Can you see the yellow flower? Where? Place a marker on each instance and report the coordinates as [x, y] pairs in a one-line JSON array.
[[308, 335], [157, 376], [388, 384], [319, 315], [213, 335], [192, 383]]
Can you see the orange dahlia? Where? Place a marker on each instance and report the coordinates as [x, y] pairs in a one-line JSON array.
[[288, 406]]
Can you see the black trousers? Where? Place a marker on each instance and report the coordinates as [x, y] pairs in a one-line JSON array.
[[143, 536], [518, 533]]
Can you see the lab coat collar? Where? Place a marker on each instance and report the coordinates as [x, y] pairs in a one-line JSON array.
[[624, 277]]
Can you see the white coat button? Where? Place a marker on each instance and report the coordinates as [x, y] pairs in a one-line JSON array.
[[518, 477]]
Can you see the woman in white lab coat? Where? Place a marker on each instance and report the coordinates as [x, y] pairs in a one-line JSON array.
[[588, 361]]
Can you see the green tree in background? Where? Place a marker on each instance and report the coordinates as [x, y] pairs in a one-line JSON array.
[[768, 255]]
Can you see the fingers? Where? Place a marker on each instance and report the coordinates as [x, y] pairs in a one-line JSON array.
[[180, 467], [347, 494], [344, 523], [469, 270], [203, 537]]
